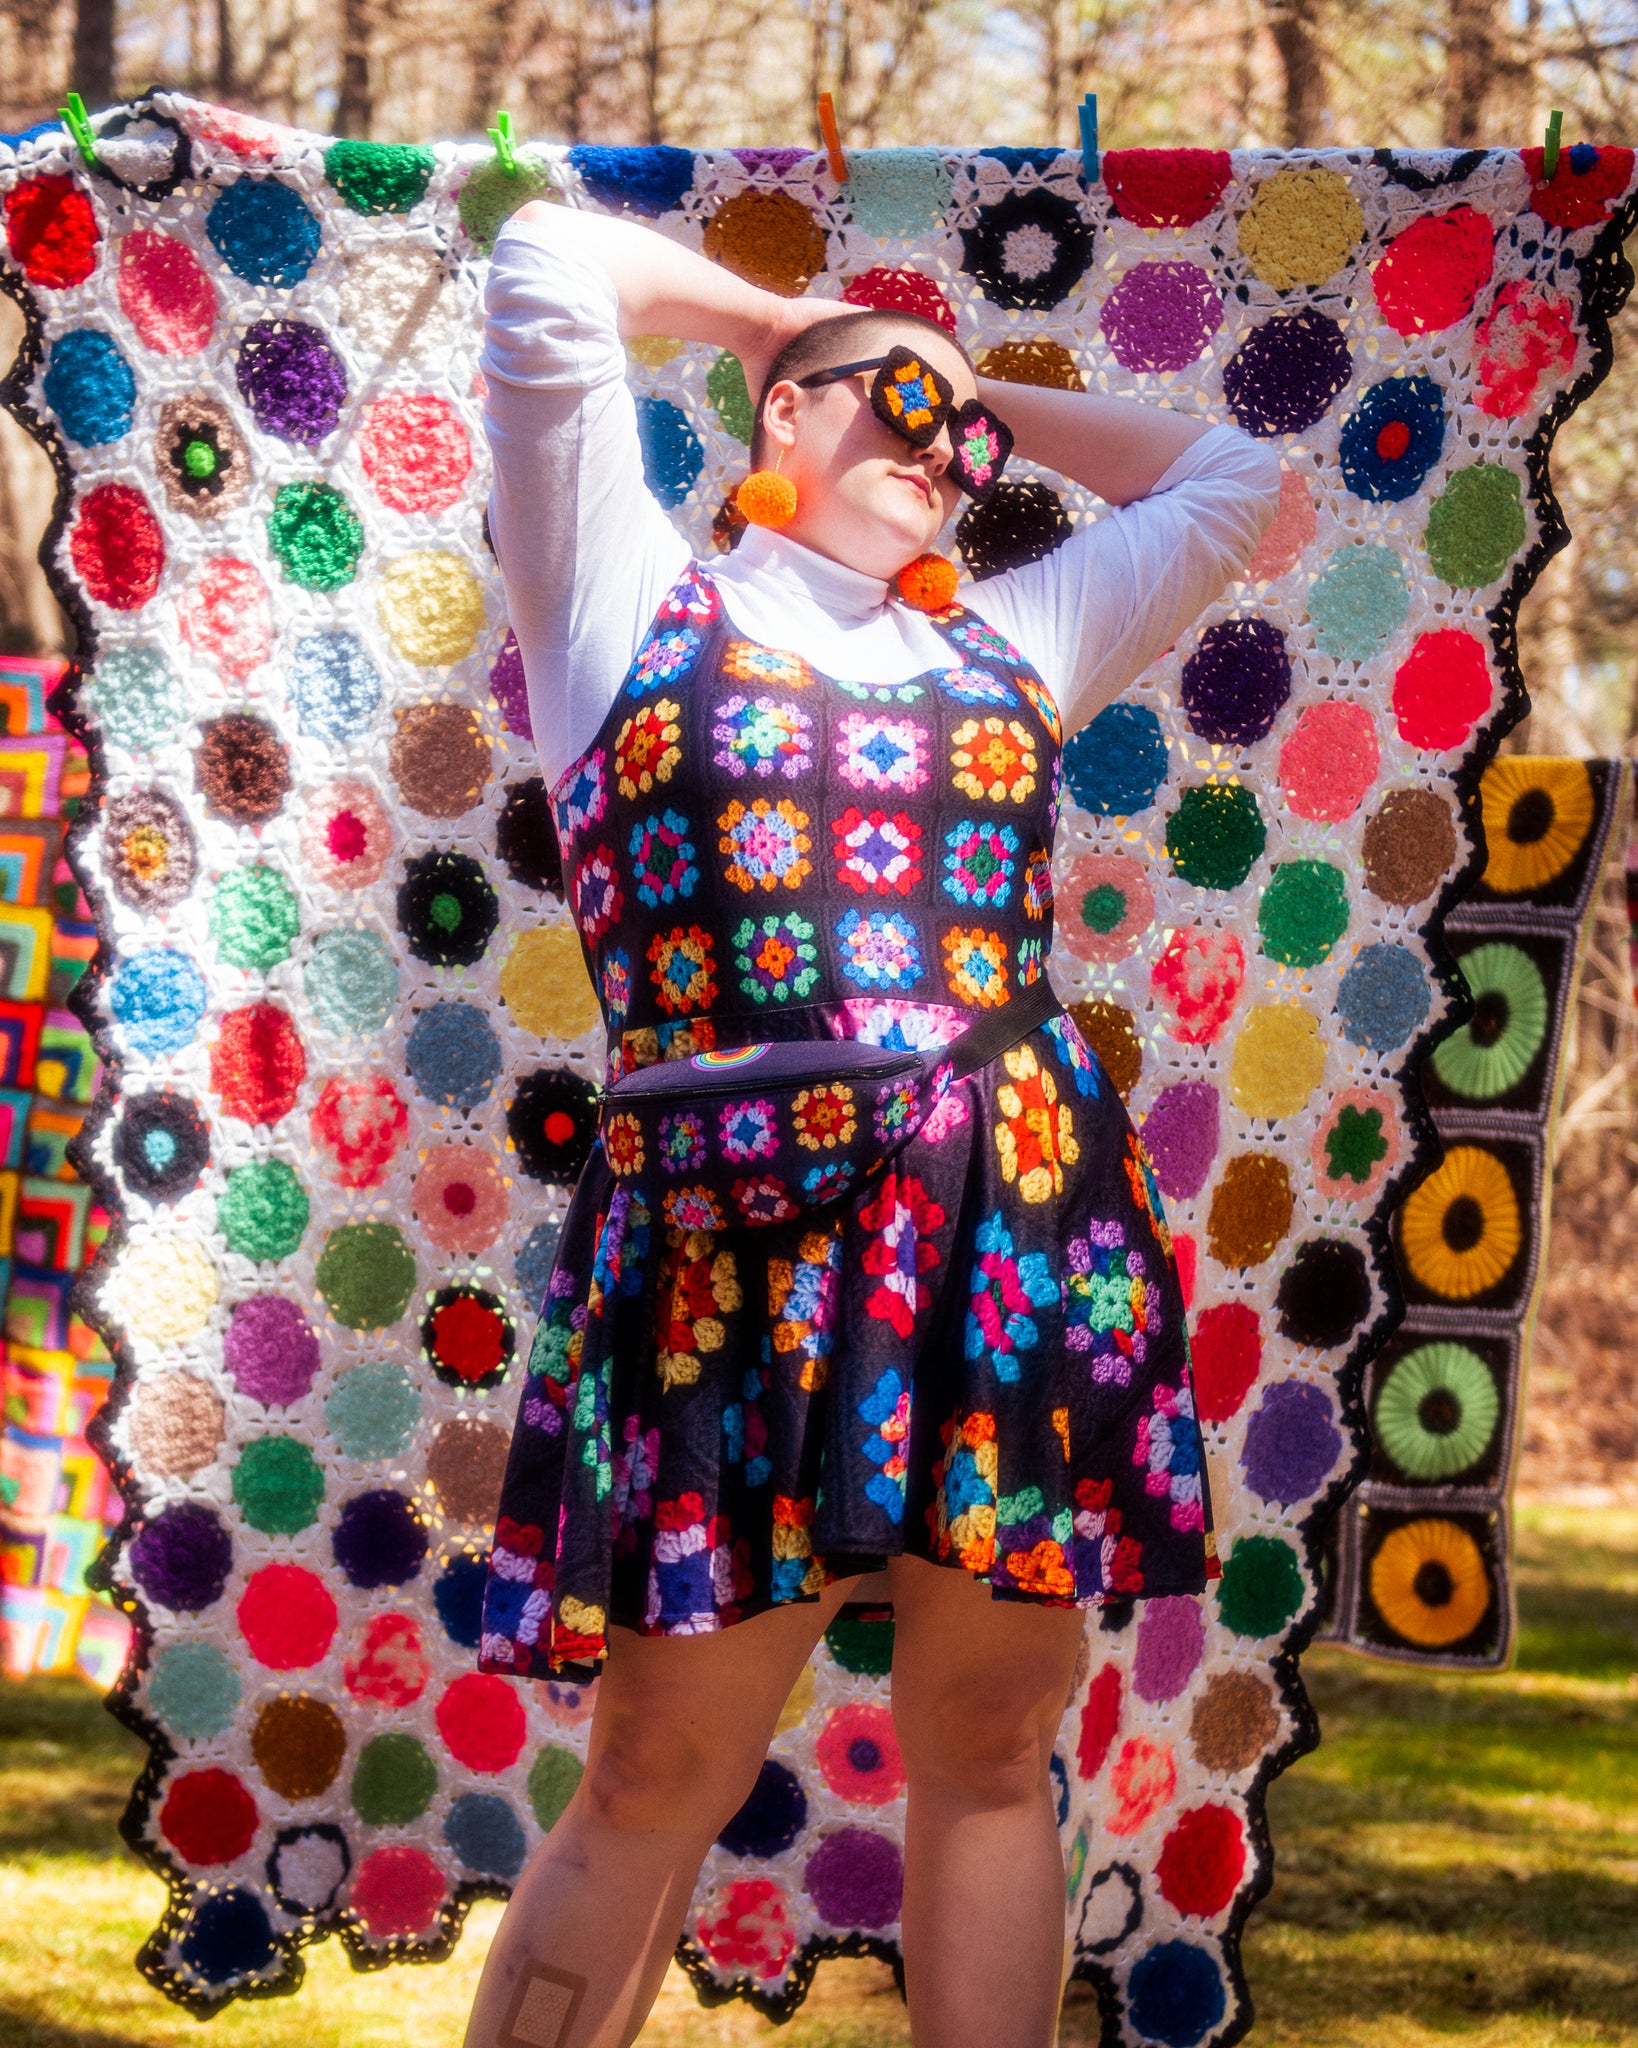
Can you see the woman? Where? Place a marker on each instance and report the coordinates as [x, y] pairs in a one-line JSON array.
[[794, 805]]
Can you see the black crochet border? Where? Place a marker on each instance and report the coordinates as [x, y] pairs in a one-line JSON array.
[[1605, 279]]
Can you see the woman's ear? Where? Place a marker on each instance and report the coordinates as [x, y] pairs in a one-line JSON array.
[[780, 410]]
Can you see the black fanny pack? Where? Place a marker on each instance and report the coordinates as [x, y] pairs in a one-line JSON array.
[[759, 1134]]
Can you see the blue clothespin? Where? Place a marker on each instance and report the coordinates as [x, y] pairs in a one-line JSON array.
[[78, 124], [501, 136], [1089, 138], [1555, 135]]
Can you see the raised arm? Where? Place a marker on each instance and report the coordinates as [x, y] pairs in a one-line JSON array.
[[1118, 448]]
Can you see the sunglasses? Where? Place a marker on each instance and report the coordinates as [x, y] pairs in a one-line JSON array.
[[908, 395]]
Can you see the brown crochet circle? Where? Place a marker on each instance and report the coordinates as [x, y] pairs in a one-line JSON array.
[[242, 768], [149, 849], [1235, 1719], [1409, 846], [769, 239], [439, 757], [466, 1463], [176, 1425], [1250, 1210], [1112, 1035], [1042, 362], [207, 422], [298, 1744]]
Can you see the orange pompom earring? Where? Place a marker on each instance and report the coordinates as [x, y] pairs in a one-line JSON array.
[[767, 498], [928, 583]]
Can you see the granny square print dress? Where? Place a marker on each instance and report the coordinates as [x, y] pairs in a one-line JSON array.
[[977, 1357]]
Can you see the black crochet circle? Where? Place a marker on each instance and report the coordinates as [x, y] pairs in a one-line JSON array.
[[161, 1145], [984, 249], [447, 909], [1019, 523], [526, 837], [1324, 1293], [165, 161], [552, 1121]]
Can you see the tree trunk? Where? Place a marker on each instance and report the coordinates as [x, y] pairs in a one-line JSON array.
[[93, 74], [1473, 65], [227, 62], [653, 72], [1294, 26], [355, 106]]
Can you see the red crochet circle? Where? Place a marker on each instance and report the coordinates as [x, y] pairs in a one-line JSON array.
[[287, 1616], [1165, 188], [1202, 1861], [1578, 199], [208, 1817], [482, 1722], [1100, 1721], [51, 231], [1431, 272], [469, 1338], [1393, 440], [165, 293], [116, 547], [257, 1064], [397, 1891], [1227, 1352], [415, 452], [900, 291], [1441, 690]]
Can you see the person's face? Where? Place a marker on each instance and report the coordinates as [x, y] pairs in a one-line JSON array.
[[864, 496]]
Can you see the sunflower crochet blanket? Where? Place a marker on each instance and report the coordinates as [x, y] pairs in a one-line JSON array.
[[355, 1051]]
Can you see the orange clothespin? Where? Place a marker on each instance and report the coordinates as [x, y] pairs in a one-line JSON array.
[[833, 138]]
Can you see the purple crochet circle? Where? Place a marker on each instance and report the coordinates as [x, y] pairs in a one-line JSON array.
[[1286, 374], [1180, 1136], [292, 380], [509, 689], [1171, 1642], [856, 1879], [1291, 1443], [181, 1560], [779, 161], [1236, 682], [270, 1350], [1161, 316]]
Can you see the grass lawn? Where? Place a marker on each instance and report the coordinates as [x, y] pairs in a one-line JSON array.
[[1458, 1861]]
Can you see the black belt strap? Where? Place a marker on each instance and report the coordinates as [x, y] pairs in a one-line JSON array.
[[1001, 1029]]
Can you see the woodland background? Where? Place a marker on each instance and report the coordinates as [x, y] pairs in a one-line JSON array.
[[1219, 73]]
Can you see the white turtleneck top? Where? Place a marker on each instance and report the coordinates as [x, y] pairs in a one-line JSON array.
[[587, 552]]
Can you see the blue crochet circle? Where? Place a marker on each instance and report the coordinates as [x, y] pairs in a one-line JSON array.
[[1383, 998], [194, 1690], [157, 998], [1358, 601], [1175, 1994], [533, 1266], [1118, 763], [334, 685], [89, 386], [773, 1816], [1374, 465], [227, 1936], [372, 1411], [486, 1835], [453, 1054], [648, 181], [137, 696], [264, 232], [672, 455], [458, 1597], [897, 191], [379, 1539]]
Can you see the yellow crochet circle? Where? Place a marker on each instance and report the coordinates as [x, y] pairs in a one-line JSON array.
[[1279, 1059], [1301, 227], [1429, 1583], [1460, 1230], [1537, 815], [164, 1288], [653, 351], [431, 607], [545, 986]]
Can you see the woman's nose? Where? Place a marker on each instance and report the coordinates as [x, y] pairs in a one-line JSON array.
[[939, 452]]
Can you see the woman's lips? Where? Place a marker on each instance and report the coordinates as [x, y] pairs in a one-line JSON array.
[[917, 481]]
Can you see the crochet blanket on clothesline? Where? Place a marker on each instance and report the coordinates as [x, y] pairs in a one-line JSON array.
[[354, 1049]]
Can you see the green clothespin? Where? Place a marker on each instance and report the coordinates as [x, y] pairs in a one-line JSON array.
[[1549, 154], [501, 136], [77, 122]]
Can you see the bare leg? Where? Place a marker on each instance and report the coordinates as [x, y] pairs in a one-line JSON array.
[[681, 1728], [979, 1689]]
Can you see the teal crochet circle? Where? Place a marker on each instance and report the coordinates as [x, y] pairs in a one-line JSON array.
[[351, 981], [136, 695], [372, 1411], [263, 1210], [897, 191], [254, 918], [193, 1690], [1358, 601]]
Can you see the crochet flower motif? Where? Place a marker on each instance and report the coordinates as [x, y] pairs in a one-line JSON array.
[[664, 657], [824, 1116], [598, 897], [901, 1219], [824, 1183], [623, 1144], [761, 735], [767, 843], [1109, 1305], [1031, 961], [1038, 883], [749, 1130], [967, 1478], [646, 750], [976, 686], [1046, 707], [1003, 1291], [682, 968], [1145, 1188], [692, 599], [875, 852], [764, 1200], [1168, 1444], [775, 957], [882, 753], [895, 1105], [693, 1209], [1073, 1053], [975, 965], [582, 796], [994, 760], [747, 662], [802, 1298], [978, 868], [682, 1141], [880, 951], [978, 638], [887, 1408], [616, 979], [662, 859], [1036, 1134], [698, 1286]]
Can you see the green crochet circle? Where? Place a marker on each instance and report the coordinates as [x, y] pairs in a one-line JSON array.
[[1304, 912], [393, 1782], [379, 177], [278, 1485], [1494, 1049], [316, 535], [263, 1210], [1261, 1587], [862, 1645], [492, 194], [366, 1274], [254, 918], [552, 1778], [1475, 526], [1436, 1411], [730, 396], [1216, 835]]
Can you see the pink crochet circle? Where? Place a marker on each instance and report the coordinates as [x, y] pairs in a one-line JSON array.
[[1442, 689], [460, 1199], [415, 452], [1142, 1778], [1097, 887], [1432, 271], [1198, 980], [345, 835], [1161, 316], [482, 1722], [1329, 760], [1288, 533], [165, 293], [287, 1616], [1527, 335], [1171, 1641], [1353, 1103], [388, 1664], [858, 1755], [224, 616], [358, 1125], [747, 1928], [397, 1891]]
